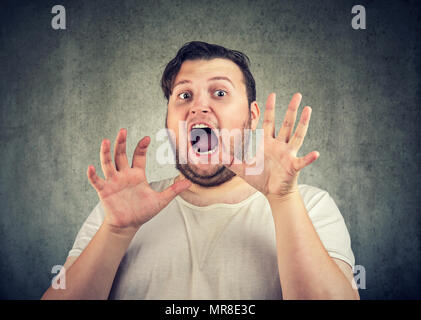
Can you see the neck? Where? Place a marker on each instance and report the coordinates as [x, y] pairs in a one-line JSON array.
[[232, 191]]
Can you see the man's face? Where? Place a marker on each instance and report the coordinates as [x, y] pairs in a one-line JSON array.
[[207, 93]]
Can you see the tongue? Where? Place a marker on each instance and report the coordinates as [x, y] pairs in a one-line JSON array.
[[202, 145], [203, 139]]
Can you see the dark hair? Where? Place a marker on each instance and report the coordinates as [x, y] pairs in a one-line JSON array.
[[196, 50]]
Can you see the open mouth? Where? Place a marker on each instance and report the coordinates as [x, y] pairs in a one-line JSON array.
[[203, 139]]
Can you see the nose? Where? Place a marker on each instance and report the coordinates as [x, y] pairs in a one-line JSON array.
[[199, 110], [195, 110], [200, 106]]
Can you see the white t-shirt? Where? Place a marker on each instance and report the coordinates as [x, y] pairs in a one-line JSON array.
[[220, 251]]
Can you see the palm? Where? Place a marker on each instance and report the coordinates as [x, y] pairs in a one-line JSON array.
[[129, 199], [126, 196], [277, 156]]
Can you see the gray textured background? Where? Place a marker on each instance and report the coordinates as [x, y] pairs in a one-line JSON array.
[[62, 92]]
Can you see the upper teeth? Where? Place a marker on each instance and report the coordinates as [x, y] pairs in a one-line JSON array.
[[199, 125]]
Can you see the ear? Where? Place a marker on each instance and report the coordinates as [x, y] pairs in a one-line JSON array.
[[254, 114]]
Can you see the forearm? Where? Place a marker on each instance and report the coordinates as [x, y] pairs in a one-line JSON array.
[[306, 270], [92, 274]]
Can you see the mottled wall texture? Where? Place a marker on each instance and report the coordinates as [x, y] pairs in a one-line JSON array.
[[63, 91]]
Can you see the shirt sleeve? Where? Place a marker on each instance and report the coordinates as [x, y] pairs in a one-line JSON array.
[[329, 224], [88, 230]]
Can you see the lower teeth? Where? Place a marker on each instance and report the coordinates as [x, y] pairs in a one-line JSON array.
[[206, 152]]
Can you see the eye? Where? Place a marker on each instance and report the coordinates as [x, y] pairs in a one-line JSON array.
[[184, 95], [220, 93]]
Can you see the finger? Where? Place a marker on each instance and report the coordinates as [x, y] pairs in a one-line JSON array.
[[172, 191], [289, 121], [301, 131], [269, 116], [139, 155], [106, 161], [95, 181], [120, 156], [303, 162]]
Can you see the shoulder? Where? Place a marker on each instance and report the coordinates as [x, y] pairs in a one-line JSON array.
[[328, 222], [307, 190], [311, 194], [318, 202]]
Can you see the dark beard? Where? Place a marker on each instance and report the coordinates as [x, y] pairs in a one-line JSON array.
[[221, 173]]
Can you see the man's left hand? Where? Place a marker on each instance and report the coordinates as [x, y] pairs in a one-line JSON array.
[[281, 166]]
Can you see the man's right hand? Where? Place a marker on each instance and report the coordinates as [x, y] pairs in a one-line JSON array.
[[126, 196]]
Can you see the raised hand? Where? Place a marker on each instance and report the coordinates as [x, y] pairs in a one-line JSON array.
[[281, 166], [126, 196]]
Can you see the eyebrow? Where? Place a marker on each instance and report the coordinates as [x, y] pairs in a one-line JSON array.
[[210, 79]]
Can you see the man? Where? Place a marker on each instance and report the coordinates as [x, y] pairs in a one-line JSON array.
[[218, 230]]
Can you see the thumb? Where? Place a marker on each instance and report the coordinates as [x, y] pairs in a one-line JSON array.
[[303, 162], [172, 191]]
